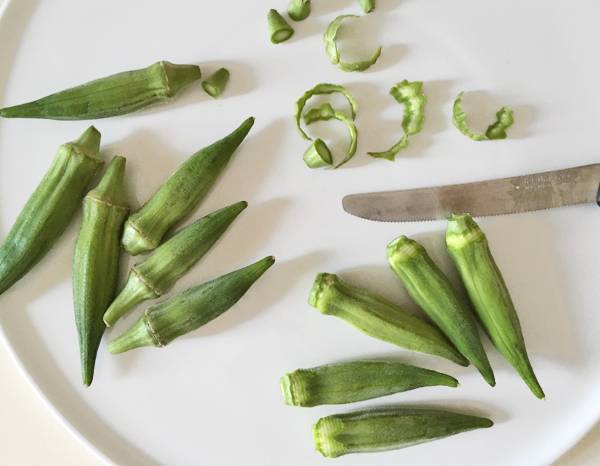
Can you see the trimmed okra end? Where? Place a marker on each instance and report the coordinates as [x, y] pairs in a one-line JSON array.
[[462, 230], [403, 248], [293, 389], [215, 84], [318, 155], [324, 433], [178, 76], [133, 242], [279, 29], [323, 281]]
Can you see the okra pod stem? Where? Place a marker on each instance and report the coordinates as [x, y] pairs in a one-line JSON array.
[[180, 193], [388, 428], [279, 29], [487, 290], [190, 310], [171, 260], [433, 292], [96, 260], [113, 95], [318, 155], [50, 208], [348, 382], [299, 10], [379, 318], [215, 83]]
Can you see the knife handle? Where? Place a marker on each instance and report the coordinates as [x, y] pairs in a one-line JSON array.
[[598, 196]]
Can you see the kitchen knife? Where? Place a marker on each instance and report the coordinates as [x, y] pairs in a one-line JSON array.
[[558, 188]]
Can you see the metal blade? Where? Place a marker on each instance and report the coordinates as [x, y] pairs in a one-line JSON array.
[[537, 191]]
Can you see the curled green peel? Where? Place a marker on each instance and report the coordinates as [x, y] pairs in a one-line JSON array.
[[409, 94], [326, 112], [333, 53], [322, 89], [497, 130]]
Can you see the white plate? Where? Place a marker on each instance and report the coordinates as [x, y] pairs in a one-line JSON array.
[[212, 398]]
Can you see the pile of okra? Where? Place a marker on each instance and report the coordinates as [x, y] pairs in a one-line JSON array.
[[108, 227]]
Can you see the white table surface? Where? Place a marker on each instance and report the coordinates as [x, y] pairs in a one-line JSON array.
[[32, 435]]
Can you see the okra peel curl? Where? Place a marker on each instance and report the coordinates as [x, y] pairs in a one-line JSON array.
[[180, 194], [322, 89], [154, 276], [433, 292], [388, 428], [188, 311], [487, 290], [333, 53], [326, 112], [96, 260], [411, 96], [347, 382], [113, 95], [50, 208], [497, 130], [379, 318]]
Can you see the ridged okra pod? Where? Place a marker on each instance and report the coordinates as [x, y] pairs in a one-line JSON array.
[[113, 95], [487, 290], [433, 292], [96, 260], [190, 310], [347, 382], [171, 260], [388, 428], [379, 318], [180, 193], [50, 208]]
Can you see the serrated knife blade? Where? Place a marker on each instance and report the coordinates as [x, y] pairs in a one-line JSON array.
[[538, 191]]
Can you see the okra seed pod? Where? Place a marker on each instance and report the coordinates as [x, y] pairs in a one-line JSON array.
[[113, 95], [487, 290], [379, 318], [180, 193], [433, 292], [299, 10], [215, 83], [96, 260], [389, 428], [171, 260], [318, 155], [50, 208], [190, 310], [347, 382], [279, 29]]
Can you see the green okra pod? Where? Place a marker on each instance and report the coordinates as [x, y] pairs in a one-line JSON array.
[[379, 318], [171, 260], [50, 208], [347, 382], [388, 428], [190, 310], [279, 29], [433, 292], [299, 10], [113, 95], [180, 193], [96, 260], [216, 82], [487, 290]]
